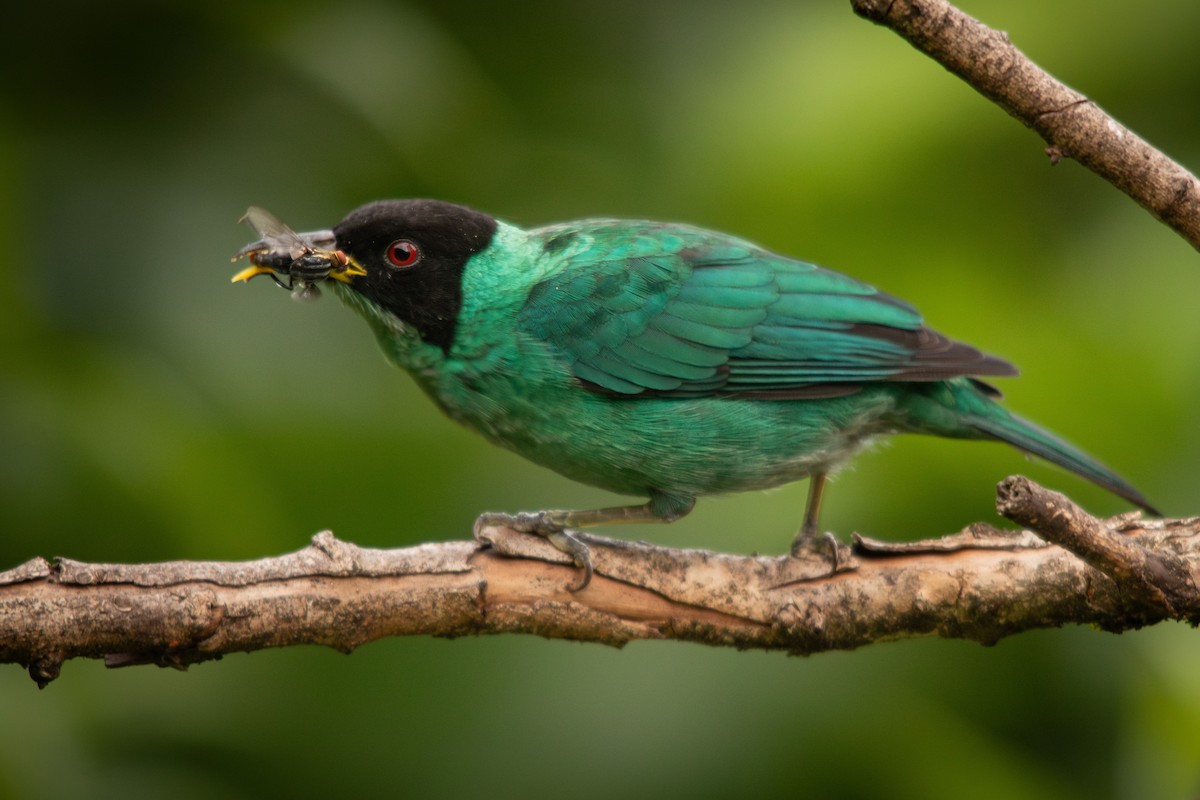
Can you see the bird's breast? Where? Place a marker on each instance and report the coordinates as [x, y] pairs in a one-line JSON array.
[[696, 446]]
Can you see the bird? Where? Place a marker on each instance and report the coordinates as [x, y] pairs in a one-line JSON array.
[[658, 360]]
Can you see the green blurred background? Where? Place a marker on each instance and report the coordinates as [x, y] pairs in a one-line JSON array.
[[150, 410]]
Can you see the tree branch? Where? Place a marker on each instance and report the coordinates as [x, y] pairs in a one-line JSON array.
[[1072, 125], [982, 584]]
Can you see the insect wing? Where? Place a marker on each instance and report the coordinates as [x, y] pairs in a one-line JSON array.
[[305, 292], [277, 239]]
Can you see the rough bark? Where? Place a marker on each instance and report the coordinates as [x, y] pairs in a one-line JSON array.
[[981, 584], [1072, 125]]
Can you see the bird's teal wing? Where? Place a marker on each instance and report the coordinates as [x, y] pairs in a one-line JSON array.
[[644, 309]]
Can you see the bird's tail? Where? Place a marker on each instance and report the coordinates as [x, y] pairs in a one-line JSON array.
[[977, 415]]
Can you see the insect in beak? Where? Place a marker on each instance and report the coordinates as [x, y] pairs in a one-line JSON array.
[[304, 259]]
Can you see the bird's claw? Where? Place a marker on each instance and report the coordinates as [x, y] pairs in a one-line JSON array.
[[543, 524], [825, 545], [566, 542]]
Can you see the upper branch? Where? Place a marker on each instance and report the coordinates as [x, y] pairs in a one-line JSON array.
[[982, 584], [1072, 125]]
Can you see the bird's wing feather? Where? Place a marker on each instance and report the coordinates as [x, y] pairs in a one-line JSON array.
[[644, 309]]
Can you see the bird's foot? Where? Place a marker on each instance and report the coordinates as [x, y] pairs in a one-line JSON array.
[[545, 524], [824, 545]]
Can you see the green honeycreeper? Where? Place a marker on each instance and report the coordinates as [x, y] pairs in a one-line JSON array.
[[649, 359]]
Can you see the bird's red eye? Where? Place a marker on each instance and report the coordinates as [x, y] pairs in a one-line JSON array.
[[403, 253]]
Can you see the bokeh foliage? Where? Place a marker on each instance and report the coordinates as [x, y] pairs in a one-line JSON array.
[[149, 410]]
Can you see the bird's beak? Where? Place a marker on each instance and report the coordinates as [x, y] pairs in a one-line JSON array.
[[250, 272], [345, 268]]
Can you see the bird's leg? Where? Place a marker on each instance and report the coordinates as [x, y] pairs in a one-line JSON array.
[[553, 525], [810, 538], [812, 510]]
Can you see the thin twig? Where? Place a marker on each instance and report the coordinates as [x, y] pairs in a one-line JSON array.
[[1158, 579], [1072, 125]]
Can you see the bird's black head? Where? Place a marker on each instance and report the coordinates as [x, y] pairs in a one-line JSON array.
[[414, 253]]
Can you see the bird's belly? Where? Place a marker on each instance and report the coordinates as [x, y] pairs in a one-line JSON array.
[[691, 447]]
